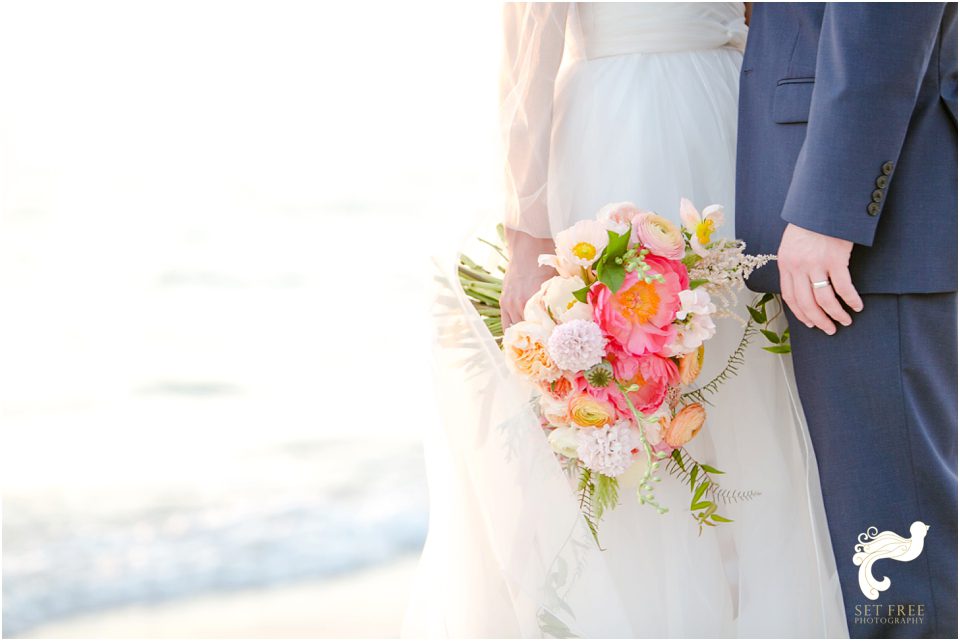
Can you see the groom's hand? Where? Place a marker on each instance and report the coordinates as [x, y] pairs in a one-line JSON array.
[[806, 257]]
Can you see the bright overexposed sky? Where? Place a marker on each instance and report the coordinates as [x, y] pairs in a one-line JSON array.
[[229, 196]]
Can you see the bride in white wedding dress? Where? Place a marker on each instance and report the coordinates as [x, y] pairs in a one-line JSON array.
[[605, 103]]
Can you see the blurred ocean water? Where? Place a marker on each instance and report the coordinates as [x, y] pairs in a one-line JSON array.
[[80, 553], [211, 421]]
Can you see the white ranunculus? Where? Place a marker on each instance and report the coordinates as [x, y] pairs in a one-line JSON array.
[[564, 441], [535, 310], [558, 298]]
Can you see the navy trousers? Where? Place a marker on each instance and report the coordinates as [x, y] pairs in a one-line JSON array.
[[880, 397]]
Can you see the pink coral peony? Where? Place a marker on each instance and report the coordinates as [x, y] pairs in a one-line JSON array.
[[640, 315]]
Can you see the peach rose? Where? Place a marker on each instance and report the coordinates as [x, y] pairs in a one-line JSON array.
[[525, 346], [685, 425]]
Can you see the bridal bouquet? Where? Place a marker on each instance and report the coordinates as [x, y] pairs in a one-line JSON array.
[[615, 341]]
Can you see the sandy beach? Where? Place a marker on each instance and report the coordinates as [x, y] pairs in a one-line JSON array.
[[366, 604]]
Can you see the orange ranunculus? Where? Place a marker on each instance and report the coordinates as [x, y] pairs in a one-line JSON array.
[[690, 366], [685, 425]]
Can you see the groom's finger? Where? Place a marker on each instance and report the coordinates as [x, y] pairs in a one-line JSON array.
[[804, 293], [786, 291], [828, 302], [843, 285]]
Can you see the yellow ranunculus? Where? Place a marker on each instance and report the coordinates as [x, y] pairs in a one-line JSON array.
[[587, 411]]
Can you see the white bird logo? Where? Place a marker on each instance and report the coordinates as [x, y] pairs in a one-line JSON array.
[[874, 546]]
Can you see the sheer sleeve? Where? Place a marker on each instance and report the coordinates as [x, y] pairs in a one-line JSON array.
[[533, 49]]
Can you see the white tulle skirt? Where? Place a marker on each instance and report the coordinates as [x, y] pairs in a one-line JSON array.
[[508, 553]]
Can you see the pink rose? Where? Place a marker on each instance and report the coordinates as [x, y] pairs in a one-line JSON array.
[[640, 315]]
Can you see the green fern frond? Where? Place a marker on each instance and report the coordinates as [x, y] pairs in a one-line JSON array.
[[689, 471], [734, 362]]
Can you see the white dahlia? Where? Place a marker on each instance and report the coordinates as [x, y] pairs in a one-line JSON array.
[[609, 450], [576, 345]]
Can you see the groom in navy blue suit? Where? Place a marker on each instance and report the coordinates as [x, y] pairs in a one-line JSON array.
[[847, 169]]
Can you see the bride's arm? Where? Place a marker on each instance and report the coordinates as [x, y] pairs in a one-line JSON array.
[[533, 49]]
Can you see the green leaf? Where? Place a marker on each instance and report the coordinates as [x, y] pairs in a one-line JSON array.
[[773, 337], [700, 505], [778, 349], [699, 493], [612, 275], [581, 294], [710, 469], [693, 476], [720, 519], [785, 336], [690, 260], [697, 282], [617, 244], [759, 315], [679, 459], [766, 298]]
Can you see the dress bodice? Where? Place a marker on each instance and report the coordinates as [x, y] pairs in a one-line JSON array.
[[620, 28]]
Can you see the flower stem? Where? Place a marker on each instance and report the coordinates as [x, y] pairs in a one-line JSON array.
[[645, 490]]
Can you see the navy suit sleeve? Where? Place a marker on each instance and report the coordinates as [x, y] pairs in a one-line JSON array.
[[871, 61]]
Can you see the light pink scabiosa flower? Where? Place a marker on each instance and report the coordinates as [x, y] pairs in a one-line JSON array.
[[659, 235], [609, 450], [640, 315], [700, 226], [576, 345]]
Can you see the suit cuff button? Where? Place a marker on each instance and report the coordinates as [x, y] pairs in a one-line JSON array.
[[873, 209], [882, 182], [887, 168]]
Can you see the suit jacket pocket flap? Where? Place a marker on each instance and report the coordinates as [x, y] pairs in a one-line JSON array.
[[791, 100]]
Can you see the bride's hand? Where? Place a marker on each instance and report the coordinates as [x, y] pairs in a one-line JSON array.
[[524, 276]]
